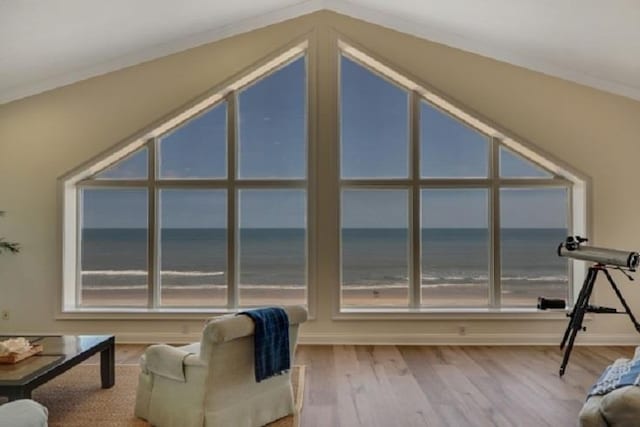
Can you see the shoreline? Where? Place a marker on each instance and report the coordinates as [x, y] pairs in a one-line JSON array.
[[444, 295]]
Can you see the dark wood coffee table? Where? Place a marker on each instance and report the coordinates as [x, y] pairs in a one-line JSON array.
[[59, 354]]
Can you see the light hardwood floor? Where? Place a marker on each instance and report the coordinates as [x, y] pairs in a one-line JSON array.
[[441, 385]]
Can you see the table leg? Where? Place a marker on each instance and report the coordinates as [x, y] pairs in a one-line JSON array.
[[108, 365]]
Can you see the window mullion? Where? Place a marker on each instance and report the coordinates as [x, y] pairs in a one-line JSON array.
[[311, 188], [232, 216], [415, 280], [78, 254], [495, 288], [572, 286], [153, 252]]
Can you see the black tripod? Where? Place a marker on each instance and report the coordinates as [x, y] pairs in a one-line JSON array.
[[582, 306]]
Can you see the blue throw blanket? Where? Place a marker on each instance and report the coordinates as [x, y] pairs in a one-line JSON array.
[[271, 341], [614, 377]]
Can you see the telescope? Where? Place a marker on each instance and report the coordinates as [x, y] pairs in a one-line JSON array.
[[602, 258], [572, 247]]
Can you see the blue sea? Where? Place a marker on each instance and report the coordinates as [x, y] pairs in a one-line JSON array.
[[372, 258]]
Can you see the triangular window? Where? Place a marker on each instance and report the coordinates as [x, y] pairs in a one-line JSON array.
[[374, 119], [272, 124], [424, 235], [196, 149], [449, 148], [173, 217], [134, 166], [514, 166]]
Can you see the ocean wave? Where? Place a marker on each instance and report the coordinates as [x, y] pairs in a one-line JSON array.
[[190, 287], [483, 278], [448, 285], [427, 278], [356, 287], [192, 273], [144, 273], [538, 278], [346, 287]]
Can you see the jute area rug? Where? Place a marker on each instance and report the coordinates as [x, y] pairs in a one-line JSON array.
[[76, 399]]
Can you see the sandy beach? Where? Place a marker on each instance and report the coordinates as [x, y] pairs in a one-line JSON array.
[[440, 295]]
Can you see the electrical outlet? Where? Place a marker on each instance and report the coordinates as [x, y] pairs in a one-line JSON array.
[[5, 315]]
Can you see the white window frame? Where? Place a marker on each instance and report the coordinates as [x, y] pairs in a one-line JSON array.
[[323, 183], [562, 176], [83, 178]]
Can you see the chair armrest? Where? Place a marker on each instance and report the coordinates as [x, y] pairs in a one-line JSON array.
[[167, 361], [297, 314]]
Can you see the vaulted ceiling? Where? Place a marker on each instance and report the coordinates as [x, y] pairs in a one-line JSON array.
[[47, 44]]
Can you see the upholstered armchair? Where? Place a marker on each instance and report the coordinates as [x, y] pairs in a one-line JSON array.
[[212, 383], [618, 408]]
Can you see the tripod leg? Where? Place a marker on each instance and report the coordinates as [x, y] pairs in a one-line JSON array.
[[622, 300], [567, 352], [585, 293], [577, 316]]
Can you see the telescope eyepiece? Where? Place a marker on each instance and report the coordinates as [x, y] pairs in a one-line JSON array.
[[572, 243]]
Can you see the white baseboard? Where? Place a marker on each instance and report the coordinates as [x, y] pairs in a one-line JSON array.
[[321, 338]]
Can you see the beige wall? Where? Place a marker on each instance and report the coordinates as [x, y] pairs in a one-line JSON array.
[[45, 136]]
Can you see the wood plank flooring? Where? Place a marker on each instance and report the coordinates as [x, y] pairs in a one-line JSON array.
[[349, 386]]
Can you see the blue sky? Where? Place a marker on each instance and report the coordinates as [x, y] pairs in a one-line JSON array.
[[374, 144]]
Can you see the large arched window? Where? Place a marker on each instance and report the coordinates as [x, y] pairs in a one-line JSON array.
[[230, 203]]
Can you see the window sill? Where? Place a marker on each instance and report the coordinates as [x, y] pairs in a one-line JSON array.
[[450, 313]]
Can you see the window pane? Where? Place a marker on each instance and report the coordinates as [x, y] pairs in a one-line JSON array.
[[193, 247], [455, 248], [114, 266], [449, 148], [197, 148], [533, 223], [134, 166], [272, 130], [375, 244], [374, 124], [514, 166], [272, 247]]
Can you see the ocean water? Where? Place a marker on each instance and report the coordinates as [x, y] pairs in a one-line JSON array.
[[372, 258]]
